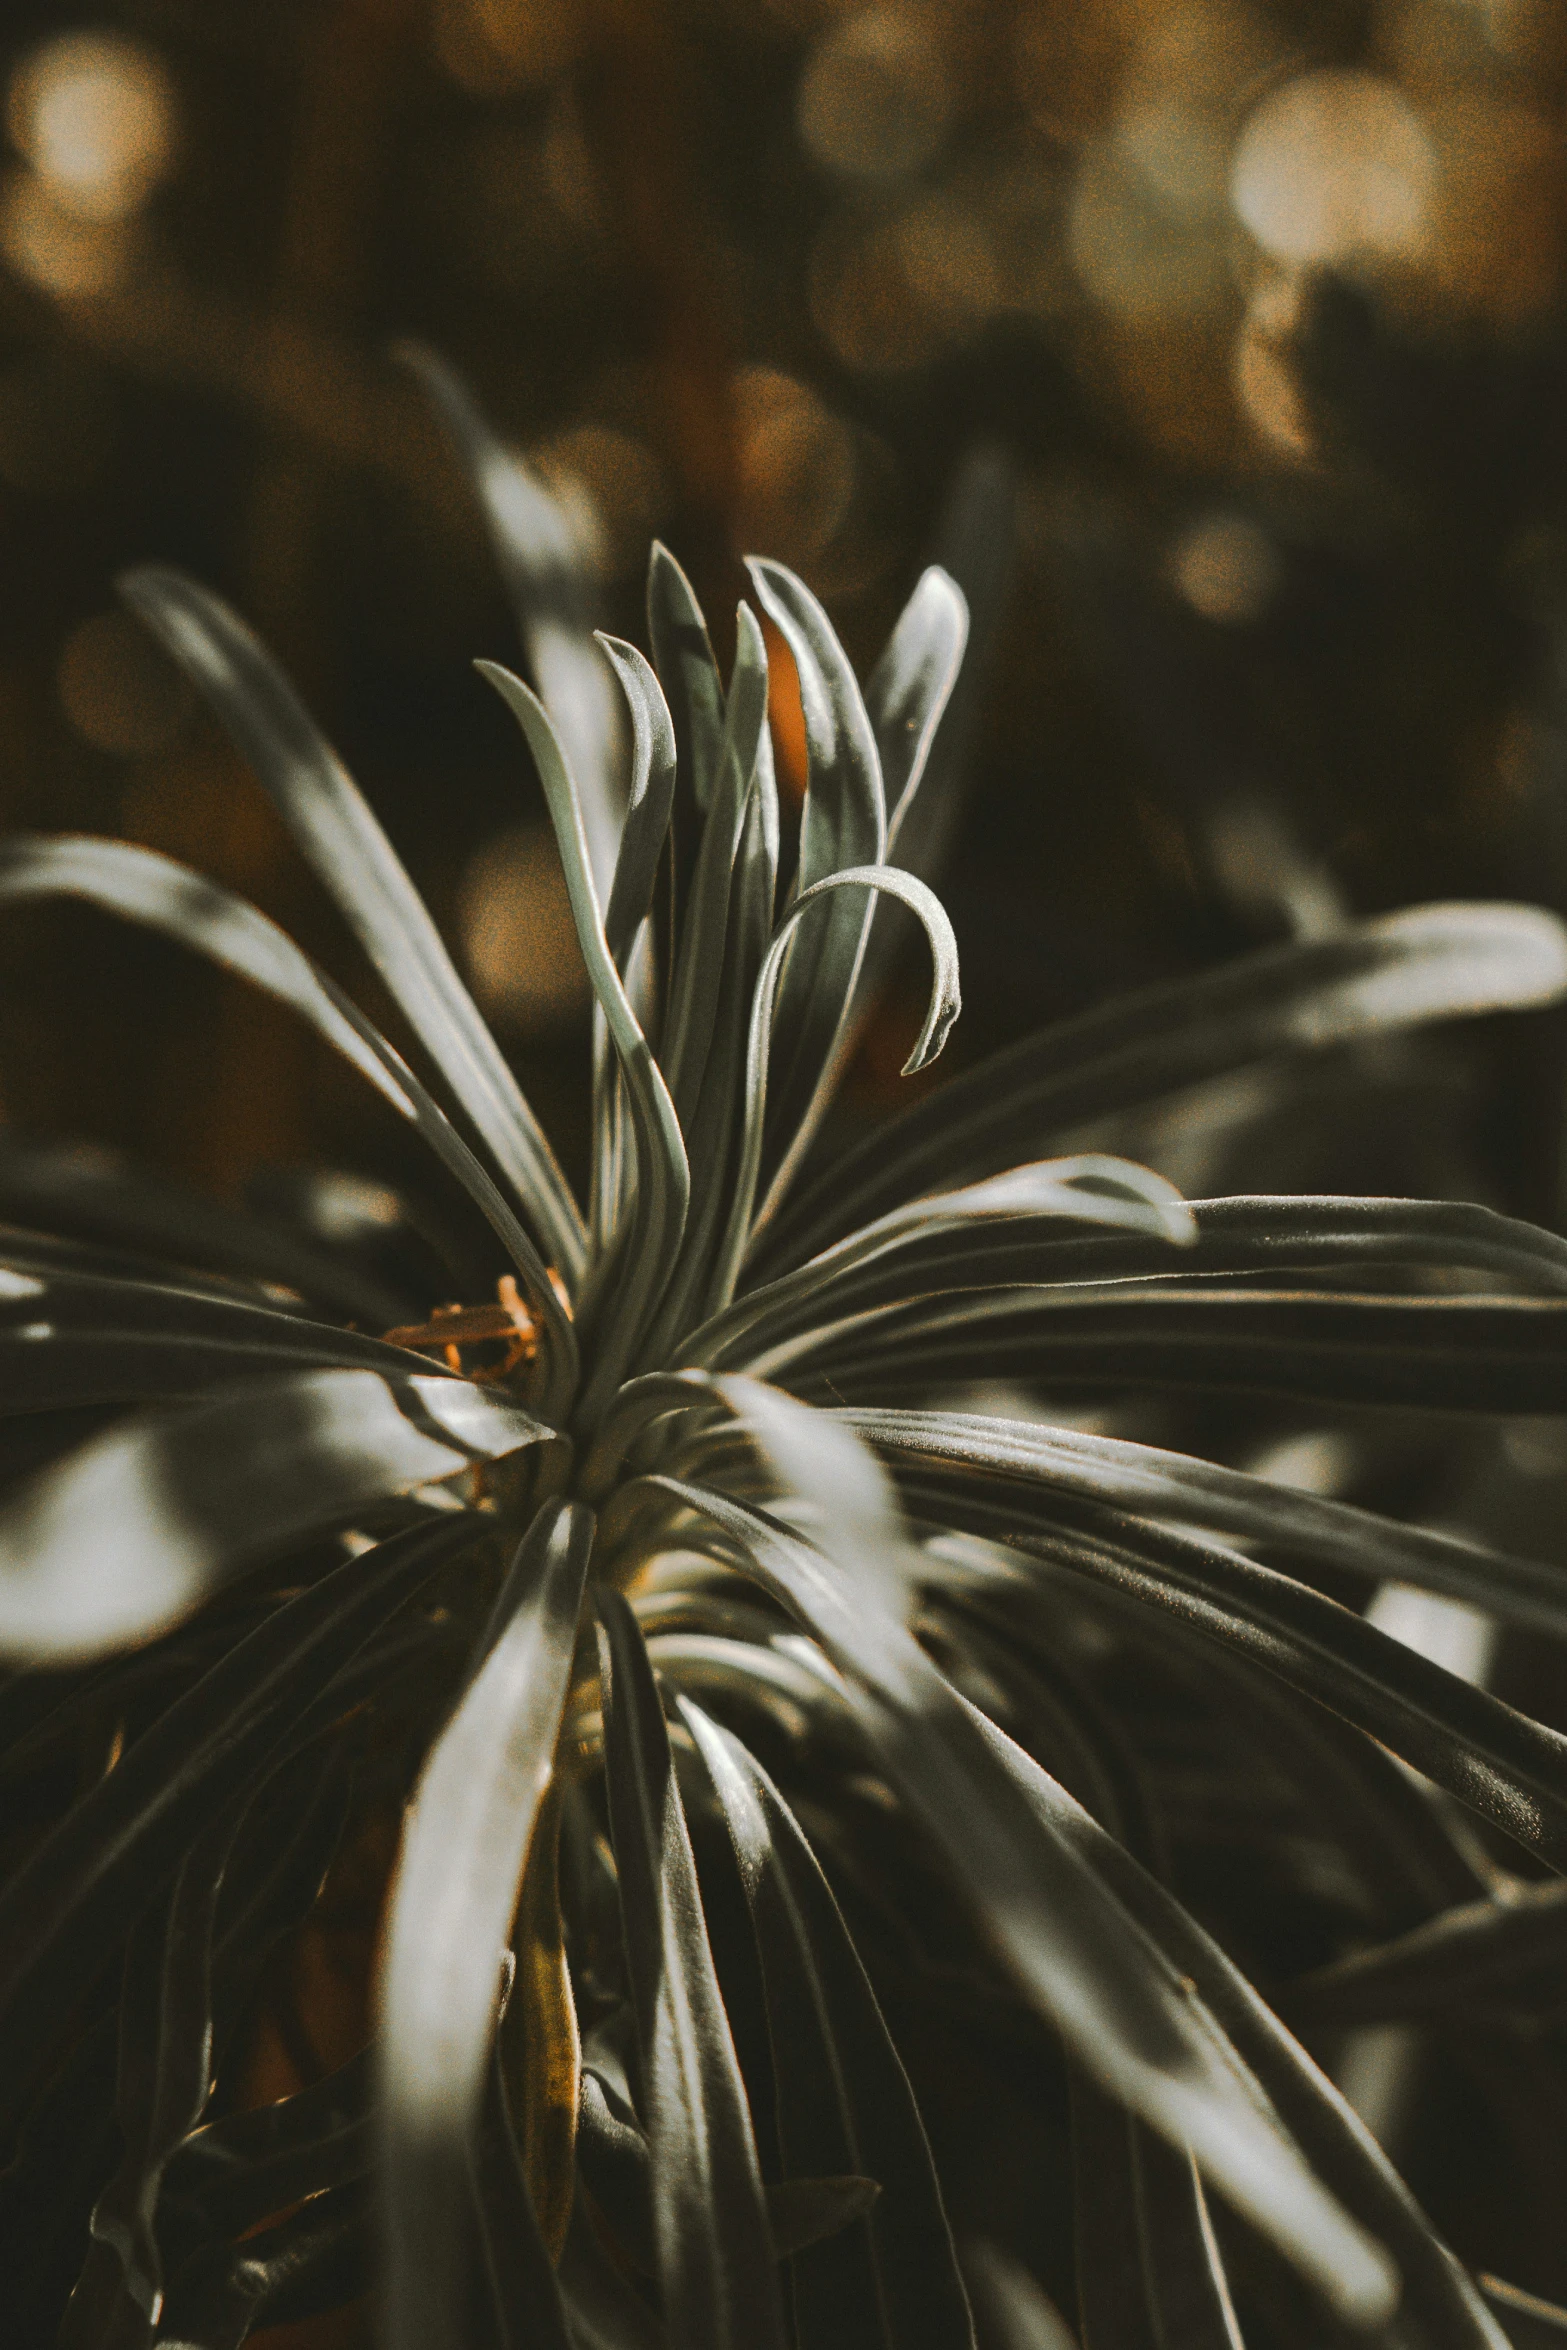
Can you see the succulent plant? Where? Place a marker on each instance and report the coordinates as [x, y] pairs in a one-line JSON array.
[[706, 1657]]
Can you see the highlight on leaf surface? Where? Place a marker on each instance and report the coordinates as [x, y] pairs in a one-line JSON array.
[[786, 1632]]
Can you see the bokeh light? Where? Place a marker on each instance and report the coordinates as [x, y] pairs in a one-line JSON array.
[[1332, 165], [872, 101], [93, 113], [518, 934], [796, 465], [1226, 567]]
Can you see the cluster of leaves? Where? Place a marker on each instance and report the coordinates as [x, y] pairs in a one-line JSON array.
[[709, 1662]]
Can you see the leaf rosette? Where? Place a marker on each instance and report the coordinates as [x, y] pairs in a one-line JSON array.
[[679, 1622]]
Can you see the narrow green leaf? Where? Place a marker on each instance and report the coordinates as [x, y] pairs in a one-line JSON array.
[[941, 1011], [86, 1882], [844, 2101], [687, 672], [146, 887], [137, 1528], [663, 1187], [843, 826], [1126, 2015], [694, 997], [465, 1846], [1437, 962], [715, 2253], [335, 829]]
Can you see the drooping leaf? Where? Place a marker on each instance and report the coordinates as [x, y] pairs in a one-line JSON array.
[[1305, 1528], [715, 2255], [135, 1529], [353, 858], [941, 1011], [146, 887], [89, 1879], [465, 1846], [1126, 2016], [844, 2100]]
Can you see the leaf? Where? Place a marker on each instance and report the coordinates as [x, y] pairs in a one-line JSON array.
[[1021, 2313], [843, 827], [687, 672], [146, 887], [663, 1184], [1124, 2013], [239, 2171], [1425, 963], [465, 1847], [90, 1877], [956, 1235], [353, 858], [1501, 1763], [907, 691], [695, 995], [642, 846], [135, 1529], [715, 2255], [844, 2101], [716, 1137], [651, 802], [1438, 2298], [1467, 1954], [1465, 1354], [525, 2308], [314, 2260], [941, 1011], [108, 1201], [1002, 1456], [539, 556]]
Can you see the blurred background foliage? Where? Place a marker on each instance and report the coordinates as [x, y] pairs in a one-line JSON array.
[[1260, 306]]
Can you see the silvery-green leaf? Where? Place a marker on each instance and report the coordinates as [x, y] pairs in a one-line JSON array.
[[844, 2101], [145, 887], [84, 1884], [465, 1845], [1503, 1764], [941, 1011], [663, 1186], [907, 690], [710, 2227], [539, 556], [843, 825], [693, 1004], [1479, 1949], [1437, 2294], [643, 843], [687, 672], [1001, 1456], [1425, 963], [651, 800], [902, 1248], [1464, 1354], [1124, 2013], [335, 829], [135, 1529]]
